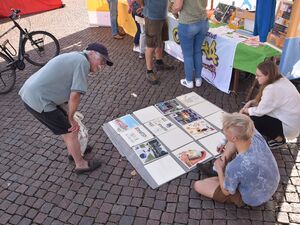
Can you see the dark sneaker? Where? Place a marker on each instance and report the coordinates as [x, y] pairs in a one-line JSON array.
[[163, 66], [152, 78], [207, 169], [273, 144]]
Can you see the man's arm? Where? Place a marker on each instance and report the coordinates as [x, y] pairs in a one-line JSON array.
[[220, 167], [140, 2], [73, 103]]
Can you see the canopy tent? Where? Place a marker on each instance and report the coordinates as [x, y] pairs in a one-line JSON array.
[[28, 6]]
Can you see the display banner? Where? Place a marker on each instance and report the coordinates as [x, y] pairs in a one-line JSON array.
[[218, 55], [290, 53]]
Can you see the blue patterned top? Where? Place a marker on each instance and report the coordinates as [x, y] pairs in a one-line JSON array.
[[254, 173]]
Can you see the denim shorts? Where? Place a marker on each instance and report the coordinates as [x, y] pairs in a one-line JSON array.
[[56, 120]]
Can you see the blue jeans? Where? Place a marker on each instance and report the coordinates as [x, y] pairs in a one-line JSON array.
[[191, 37], [136, 39], [113, 10]]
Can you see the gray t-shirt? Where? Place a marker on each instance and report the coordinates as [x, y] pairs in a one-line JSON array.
[[53, 83], [254, 173], [155, 9]]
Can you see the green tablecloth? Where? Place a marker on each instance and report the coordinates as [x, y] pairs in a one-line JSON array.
[[247, 58]]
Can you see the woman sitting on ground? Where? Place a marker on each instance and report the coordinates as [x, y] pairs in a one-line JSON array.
[[276, 109], [252, 177]]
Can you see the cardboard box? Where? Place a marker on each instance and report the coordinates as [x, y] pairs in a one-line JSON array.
[[241, 13]]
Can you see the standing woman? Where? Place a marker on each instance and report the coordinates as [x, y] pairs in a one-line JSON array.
[[192, 28], [276, 109]]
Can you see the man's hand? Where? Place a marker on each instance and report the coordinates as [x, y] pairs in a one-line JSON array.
[[220, 164], [139, 11], [74, 125]]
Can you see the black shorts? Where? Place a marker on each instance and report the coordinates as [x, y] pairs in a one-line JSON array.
[[57, 120]]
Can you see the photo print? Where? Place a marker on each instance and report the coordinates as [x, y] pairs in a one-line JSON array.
[[123, 123], [192, 154], [160, 125], [185, 116], [190, 99], [136, 135], [149, 151], [199, 129], [168, 107]]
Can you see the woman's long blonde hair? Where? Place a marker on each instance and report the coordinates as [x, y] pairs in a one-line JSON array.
[[268, 68]]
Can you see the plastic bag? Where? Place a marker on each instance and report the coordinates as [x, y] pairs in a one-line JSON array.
[[83, 132]]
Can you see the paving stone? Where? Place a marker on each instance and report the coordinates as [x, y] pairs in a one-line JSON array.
[[126, 220], [294, 218], [282, 217]]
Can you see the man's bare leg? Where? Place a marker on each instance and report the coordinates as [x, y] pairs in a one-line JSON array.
[[73, 146], [207, 187]]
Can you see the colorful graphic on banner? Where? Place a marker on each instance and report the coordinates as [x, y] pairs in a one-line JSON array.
[[218, 56]]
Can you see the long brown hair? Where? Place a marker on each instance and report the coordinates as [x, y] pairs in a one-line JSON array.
[[268, 68]]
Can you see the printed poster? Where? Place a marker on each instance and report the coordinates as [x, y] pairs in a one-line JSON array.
[[168, 107], [192, 154], [149, 151], [185, 116], [199, 129], [123, 123], [136, 135], [160, 125]]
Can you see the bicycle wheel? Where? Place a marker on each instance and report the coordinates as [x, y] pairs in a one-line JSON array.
[[7, 75], [39, 47]]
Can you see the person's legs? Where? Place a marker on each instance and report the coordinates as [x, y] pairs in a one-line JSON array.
[[268, 126], [207, 187], [113, 7], [58, 123], [136, 39], [73, 146], [198, 41], [186, 37], [161, 35], [142, 39]]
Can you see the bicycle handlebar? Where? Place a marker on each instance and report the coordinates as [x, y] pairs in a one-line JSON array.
[[15, 13]]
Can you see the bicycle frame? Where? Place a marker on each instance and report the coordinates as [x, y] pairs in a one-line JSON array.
[[5, 50]]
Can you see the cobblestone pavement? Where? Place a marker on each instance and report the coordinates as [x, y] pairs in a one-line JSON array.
[[37, 185]]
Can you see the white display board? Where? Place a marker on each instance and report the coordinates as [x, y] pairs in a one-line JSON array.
[[167, 140]]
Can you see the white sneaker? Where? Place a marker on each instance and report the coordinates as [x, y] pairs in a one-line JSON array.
[[198, 82], [188, 84], [136, 48]]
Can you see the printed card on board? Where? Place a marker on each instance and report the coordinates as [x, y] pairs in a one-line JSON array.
[[160, 125], [136, 135], [185, 116], [146, 114], [212, 142], [123, 123], [192, 154], [149, 151], [216, 119], [190, 99], [168, 107], [199, 129]]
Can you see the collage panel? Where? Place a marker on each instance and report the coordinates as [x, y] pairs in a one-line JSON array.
[[150, 150], [160, 125], [124, 123], [169, 106], [192, 154]]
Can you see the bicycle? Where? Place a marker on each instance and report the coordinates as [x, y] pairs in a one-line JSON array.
[[37, 47]]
